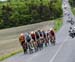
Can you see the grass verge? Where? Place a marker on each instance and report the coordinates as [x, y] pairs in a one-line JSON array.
[[73, 10], [9, 55], [58, 24]]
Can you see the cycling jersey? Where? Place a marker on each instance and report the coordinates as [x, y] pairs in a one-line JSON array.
[[27, 36], [33, 36], [37, 35], [40, 33], [44, 34]]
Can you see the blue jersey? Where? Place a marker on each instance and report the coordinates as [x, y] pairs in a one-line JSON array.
[[28, 37]]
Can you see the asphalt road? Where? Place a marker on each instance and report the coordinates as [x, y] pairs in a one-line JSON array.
[[9, 37], [63, 51]]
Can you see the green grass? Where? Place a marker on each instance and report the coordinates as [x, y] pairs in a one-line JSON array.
[[9, 55], [73, 10], [58, 24]]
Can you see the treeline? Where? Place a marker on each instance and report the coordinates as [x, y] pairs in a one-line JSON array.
[[22, 12], [72, 2]]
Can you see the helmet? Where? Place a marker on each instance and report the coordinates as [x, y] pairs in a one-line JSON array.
[[22, 34], [26, 33], [38, 30], [51, 28], [70, 27], [74, 27], [32, 32], [21, 37]]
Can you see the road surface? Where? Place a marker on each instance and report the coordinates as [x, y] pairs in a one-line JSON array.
[[9, 37], [63, 51]]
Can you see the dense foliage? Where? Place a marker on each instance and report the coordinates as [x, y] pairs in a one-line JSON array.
[[72, 2], [22, 12]]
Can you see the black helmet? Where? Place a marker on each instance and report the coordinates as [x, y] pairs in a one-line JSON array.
[[70, 27]]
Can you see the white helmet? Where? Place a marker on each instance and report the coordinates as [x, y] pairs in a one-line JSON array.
[[32, 32], [51, 28], [74, 27], [22, 34]]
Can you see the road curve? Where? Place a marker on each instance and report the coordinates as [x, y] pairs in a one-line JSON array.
[[63, 51]]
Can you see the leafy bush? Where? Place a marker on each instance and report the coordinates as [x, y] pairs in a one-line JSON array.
[[72, 2], [23, 12]]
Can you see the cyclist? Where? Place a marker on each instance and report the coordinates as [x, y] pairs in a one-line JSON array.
[[23, 42]]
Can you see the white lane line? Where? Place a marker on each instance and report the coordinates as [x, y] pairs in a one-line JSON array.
[[58, 50]]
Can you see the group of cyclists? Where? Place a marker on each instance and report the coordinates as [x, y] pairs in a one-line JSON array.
[[35, 40], [72, 32], [70, 20]]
